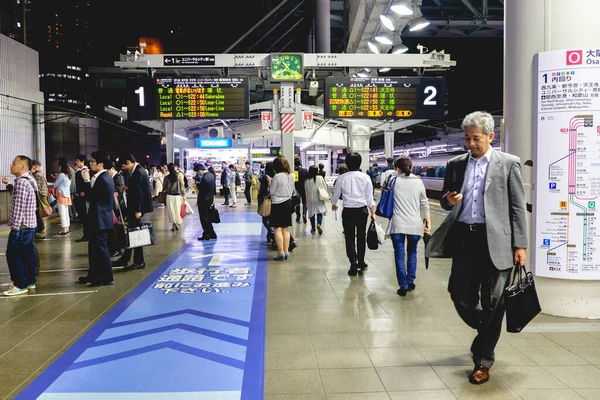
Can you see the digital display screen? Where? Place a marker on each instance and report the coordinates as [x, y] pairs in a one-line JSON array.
[[188, 98], [385, 98]]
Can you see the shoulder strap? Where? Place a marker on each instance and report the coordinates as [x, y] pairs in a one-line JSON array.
[[37, 194]]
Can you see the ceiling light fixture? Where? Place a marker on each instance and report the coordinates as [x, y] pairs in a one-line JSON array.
[[387, 22], [399, 49], [373, 47], [385, 69], [384, 39], [418, 24], [363, 75], [402, 7]]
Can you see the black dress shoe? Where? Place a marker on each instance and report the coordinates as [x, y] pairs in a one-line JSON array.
[[83, 280], [134, 266], [83, 239], [411, 286], [402, 292], [353, 271], [292, 246], [363, 266], [116, 253], [204, 238]]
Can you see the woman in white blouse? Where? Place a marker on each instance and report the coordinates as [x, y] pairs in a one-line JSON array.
[[411, 206], [281, 191], [316, 206]]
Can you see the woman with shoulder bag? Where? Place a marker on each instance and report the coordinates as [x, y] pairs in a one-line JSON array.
[[174, 189], [316, 205], [282, 189]]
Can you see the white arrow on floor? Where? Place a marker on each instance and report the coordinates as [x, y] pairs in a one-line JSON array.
[[215, 260]]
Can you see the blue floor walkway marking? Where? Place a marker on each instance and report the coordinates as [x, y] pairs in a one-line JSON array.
[[194, 329]]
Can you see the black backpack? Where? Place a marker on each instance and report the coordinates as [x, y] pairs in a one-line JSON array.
[[238, 181]]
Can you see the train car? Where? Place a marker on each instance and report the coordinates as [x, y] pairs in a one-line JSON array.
[[432, 171]]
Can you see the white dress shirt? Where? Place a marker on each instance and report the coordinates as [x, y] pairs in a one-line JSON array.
[[473, 211], [96, 175], [356, 190]]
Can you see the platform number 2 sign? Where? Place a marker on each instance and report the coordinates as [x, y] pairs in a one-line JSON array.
[[430, 100]]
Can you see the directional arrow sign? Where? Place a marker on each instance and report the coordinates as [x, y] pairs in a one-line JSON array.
[[215, 260]]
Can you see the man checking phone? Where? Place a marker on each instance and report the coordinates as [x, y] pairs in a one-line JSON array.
[[485, 234]]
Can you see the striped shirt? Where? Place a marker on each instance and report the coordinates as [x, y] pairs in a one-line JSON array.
[[23, 203]]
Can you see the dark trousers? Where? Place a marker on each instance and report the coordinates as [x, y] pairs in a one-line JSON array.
[[20, 257], [354, 222], [81, 207], [207, 226], [476, 287], [41, 226], [304, 210], [226, 194], [138, 252], [248, 192], [99, 257]]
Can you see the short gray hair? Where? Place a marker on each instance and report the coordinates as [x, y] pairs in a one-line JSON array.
[[481, 120]]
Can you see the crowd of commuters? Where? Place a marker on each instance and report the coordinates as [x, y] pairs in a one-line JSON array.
[[485, 232]]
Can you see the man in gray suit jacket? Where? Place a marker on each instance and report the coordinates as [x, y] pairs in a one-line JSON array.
[[485, 234]]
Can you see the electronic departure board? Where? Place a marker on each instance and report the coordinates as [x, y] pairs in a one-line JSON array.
[[188, 98], [385, 98]]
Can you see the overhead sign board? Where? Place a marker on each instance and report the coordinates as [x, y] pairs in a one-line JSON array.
[[214, 143], [385, 97], [196, 59], [187, 98]]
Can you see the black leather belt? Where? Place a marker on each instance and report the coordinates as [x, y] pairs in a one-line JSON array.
[[473, 227]]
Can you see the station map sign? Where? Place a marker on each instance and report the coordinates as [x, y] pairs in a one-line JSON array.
[[188, 98], [385, 97]]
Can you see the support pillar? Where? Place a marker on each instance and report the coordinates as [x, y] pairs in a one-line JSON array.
[[38, 136], [547, 25], [287, 104], [359, 142], [323, 16], [388, 143], [169, 129]]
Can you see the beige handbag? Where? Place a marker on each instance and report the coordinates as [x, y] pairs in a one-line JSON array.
[[264, 208]]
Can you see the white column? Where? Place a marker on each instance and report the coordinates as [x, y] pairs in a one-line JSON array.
[[531, 27], [388, 143], [359, 142], [287, 138], [323, 17]]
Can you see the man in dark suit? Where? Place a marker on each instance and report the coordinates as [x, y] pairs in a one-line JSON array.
[[139, 202], [79, 200], [206, 198], [99, 193], [225, 182], [301, 174], [485, 234]]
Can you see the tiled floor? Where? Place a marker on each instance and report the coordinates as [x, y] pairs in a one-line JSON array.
[[329, 336]]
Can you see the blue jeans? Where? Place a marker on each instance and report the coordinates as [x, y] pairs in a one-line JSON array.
[[20, 256], [404, 278]]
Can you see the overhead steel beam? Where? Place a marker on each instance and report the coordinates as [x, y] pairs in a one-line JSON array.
[[484, 8], [276, 25], [468, 4], [311, 60], [285, 34], [259, 23]]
